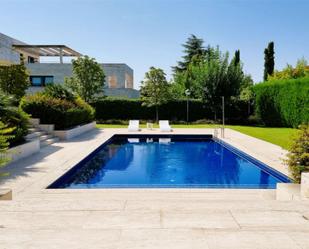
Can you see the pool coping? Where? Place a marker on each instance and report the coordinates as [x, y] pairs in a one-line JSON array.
[[53, 161]]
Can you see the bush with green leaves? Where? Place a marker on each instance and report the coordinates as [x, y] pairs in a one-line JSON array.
[[289, 72], [298, 157], [14, 80], [62, 113], [58, 91], [283, 102], [13, 117], [4, 144]]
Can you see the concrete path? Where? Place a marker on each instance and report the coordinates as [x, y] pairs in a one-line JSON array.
[[144, 218]]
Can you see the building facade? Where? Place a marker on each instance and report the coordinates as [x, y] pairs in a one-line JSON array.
[[118, 76]]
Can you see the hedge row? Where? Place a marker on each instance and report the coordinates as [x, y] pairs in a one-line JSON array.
[[126, 109], [62, 113], [283, 102]]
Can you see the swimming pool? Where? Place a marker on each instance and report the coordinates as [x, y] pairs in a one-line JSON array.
[[170, 161]]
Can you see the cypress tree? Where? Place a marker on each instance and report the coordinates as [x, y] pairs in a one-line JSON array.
[[237, 57], [269, 60]]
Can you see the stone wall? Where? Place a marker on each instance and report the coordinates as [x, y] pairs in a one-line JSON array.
[[119, 77], [7, 55]]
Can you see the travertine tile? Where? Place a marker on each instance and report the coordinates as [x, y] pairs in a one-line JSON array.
[[128, 220], [211, 219], [250, 240]]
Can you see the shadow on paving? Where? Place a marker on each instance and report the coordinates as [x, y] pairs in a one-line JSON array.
[[32, 163], [25, 166]]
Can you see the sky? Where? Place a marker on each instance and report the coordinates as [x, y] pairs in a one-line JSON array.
[[145, 33]]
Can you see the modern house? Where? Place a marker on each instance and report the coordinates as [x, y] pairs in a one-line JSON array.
[[119, 76]]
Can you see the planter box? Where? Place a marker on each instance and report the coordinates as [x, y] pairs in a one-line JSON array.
[[21, 151], [49, 128], [34, 121], [76, 131], [304, 185], [5, 194], [287, 191]]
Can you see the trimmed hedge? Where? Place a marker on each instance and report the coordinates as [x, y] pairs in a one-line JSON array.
[[62, 113], [283, 102], [176, 110]]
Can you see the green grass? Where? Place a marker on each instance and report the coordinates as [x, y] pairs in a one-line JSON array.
[[279, 136]]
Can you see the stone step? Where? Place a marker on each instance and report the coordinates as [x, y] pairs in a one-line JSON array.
[[45, 137], [35, 134], [33, 129], [49, 141]]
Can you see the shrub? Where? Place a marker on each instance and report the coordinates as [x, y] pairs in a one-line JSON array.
[[13, 117], [14, 80], [4, 144], [58, 91], [175, 110], [60, 112], [298, 157], [283, 102]]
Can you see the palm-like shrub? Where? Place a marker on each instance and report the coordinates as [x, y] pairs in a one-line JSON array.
[[58, 91], [4, 144], [298, 157], [13, 117]]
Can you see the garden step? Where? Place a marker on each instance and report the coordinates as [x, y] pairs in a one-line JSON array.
[[49, 141], [45, 137], [35, 134], [33, 129]]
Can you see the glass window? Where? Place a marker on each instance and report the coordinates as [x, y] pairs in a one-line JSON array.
[[41, 80], [36, 81], [49, 79]]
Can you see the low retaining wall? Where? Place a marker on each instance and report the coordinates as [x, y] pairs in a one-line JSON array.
[[6, 194], [304, 186], [69, 134], [21, 151]]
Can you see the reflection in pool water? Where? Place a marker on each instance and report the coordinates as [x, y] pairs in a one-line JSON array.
[[176, 164]]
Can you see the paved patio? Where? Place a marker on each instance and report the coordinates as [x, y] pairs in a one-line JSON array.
[[145, 218]]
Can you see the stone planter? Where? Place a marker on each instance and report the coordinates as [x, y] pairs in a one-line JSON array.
[[21, 151], [49, 128], [5, 194], [304, 185], [287, 191], [76, 131]]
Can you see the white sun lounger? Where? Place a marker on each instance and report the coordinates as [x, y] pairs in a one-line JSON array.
[[133, 125], [164, 125]]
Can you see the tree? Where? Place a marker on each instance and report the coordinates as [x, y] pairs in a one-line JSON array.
[[214, 83], [14, 80], [269, 60], [192, 48], [237, 57], [289, 72], [155, 89], [88, 78]]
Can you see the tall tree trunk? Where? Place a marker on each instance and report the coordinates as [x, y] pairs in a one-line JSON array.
[[157, 114]]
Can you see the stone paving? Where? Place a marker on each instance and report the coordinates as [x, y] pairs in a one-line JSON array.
[[145, 218]]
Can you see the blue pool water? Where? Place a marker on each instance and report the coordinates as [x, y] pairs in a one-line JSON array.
[[180, 163]]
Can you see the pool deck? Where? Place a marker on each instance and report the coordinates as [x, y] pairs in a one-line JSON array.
[[145, 218]]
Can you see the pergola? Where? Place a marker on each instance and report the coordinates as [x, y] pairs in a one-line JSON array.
[[48, 50]]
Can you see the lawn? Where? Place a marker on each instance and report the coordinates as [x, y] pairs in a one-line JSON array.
[[278, 136]]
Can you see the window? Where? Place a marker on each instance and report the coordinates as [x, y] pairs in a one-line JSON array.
[[49, 79], [30, 59], [41, 80]]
